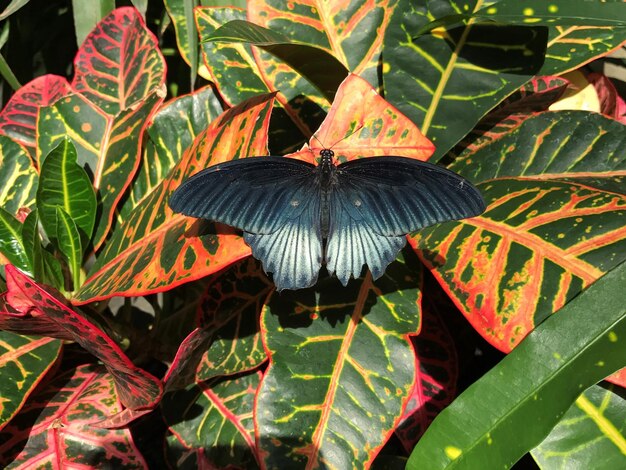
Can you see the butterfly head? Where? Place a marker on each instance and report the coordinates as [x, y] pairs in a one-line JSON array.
[[327, 156]]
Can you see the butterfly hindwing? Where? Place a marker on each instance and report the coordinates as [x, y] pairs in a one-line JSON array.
[[398, 195], [255, 194], [352, 243], [375, 202], [293, 252]]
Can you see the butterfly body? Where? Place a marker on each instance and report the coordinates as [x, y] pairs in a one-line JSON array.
[[296, 216]]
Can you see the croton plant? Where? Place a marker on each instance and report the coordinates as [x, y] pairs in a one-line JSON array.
[[135, 337]]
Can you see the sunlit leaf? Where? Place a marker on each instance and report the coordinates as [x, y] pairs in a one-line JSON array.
[[18, 177], [481, 429]]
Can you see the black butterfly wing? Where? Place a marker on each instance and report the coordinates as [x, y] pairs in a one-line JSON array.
[[255, 194], [377, 201], [275, 201]]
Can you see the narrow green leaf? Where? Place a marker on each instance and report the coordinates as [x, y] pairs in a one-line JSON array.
[[141, 6], [12, 8], [32, 245], [515, 405], [11, 244], [319, 67], [68, 240], [65, 184], [8, 75], [86, 17]]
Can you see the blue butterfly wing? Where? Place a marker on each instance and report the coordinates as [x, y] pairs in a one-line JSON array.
[[293, 252], [377, 201], [275, 201], [255, 194]]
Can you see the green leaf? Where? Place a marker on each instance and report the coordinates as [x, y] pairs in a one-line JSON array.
[[86, 17], [63, 183], [540, 13], [515, 405], [341, 369], [11, 243], [32, 245], [68, 242], [591, 434], [315, 64], [446, 82]]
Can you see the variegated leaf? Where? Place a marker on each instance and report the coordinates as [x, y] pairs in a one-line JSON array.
[[61, 431], [18, 119], [24, 361], [341, 369], [554, 223], [213, 420], [18, 177], [447, 80], [156, 249]]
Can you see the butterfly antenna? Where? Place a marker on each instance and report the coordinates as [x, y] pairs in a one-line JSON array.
[[343, 138]]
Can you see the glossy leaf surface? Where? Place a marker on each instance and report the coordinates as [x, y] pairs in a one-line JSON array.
[[136, 388], [447, 80], [590, 434], [18, 177], [11, 242], [554, 223], [156, 249], [172, 130], [64, 184], [344, 366], [119, 74], [68, 241], [353, 33], [24, 362], [480, 432], [315, 64], [62, 432], [232, 66]]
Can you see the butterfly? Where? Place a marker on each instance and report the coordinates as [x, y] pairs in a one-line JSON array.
[[295, 216]]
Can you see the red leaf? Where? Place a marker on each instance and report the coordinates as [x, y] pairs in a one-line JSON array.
[[61, 432], [18, 119], [361, 123], [119, 63], [136, 388]]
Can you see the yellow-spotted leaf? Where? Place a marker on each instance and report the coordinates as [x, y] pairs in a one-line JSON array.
[[514, 406], [172, 130], [114, 102], [232, 66], [315, 64], [341, 370], [18, 119], [156, 249], [352, 33], [555, 223], [591, 434], [18, 177]]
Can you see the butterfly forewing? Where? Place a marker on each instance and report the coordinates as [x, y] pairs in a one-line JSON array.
[[254, 194], [376, 201], [397, 195]]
